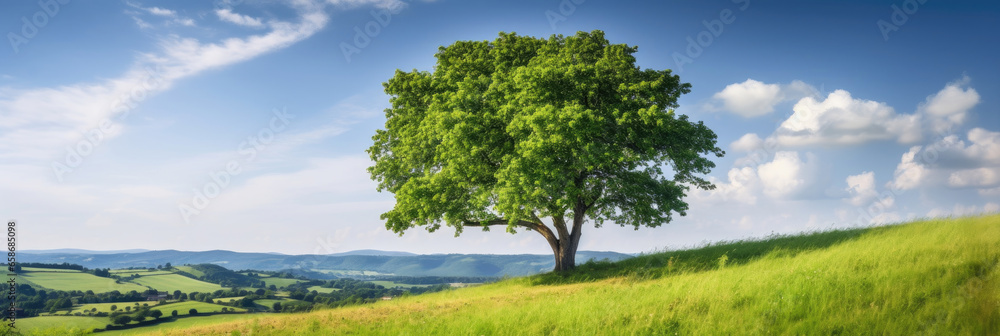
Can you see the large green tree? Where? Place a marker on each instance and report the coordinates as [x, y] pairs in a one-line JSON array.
[[520, 129]]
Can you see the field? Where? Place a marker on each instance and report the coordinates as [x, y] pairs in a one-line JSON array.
[[390, 284], [141, 272], [171, 282], [182, 323], [50, 270], [41, 323], [202, 307], [68, 281], [191, 270], [224, 300], [280, 282], [103, 307], [319, 289], [927, 277], [270, 302]]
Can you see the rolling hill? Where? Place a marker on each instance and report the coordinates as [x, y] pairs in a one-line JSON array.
[[926, 277], [473, 265]]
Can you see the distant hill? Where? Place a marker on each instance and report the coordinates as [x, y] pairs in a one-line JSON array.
[[375, 253], [399, 263], [81, 251]]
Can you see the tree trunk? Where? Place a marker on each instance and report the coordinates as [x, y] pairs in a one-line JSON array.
[[565, 257], [565, 251]]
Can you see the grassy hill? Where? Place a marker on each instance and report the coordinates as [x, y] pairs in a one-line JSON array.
[[172, 282], [67, 280], [930, 277]]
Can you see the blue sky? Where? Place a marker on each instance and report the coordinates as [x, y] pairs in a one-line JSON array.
[[242, 125]]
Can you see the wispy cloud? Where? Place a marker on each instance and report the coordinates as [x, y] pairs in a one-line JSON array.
[[227, 15]]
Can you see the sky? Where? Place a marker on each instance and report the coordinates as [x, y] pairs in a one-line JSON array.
[[242, 125]]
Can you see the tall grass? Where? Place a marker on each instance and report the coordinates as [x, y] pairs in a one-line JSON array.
[[928, 277]]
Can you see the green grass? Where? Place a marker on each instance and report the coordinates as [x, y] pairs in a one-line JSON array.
[[103, 307], [67, 281], [202, 307], [41, 323], [390, 284], [191, 270], [938, 277], [319, 289], [225, 300], [270, 302], [141, 272], [171, 282], [51, 270], [181, 323], [280, 282]]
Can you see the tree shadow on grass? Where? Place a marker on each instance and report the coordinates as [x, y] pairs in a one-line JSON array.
[[711, 257]]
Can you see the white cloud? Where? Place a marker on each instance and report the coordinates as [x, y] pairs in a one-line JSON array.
[[909, 173], [979, 177], [142, 24], [39, 123], [742, 186], [862, 188], [953, 162], [991, 207], [950, 106], [227, 15], [960, 210], [161, 11], [748, 142], [843, 120], [753, 98], [787, 176], [750, 98], [184, 22]]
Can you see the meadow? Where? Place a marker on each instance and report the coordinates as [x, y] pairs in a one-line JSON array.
[[926, 277], [319, 289], [280, 282], [171, 282], [190, 270], [59, 325], [102, 307], [183, 308], [76, 280]]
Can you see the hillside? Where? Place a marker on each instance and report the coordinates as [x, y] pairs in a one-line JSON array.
[[933, 277], [398, 263]]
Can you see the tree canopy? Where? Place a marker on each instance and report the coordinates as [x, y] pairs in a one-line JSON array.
[[511, 131]]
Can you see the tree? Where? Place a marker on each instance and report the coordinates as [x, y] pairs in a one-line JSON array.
[[173, 313], [155, 313], [128, 308], [114, 307], [122, 319], [508, 132], [193, 311], [276, 307]]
